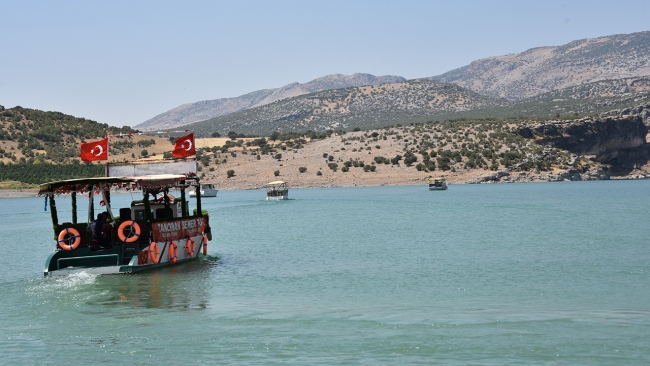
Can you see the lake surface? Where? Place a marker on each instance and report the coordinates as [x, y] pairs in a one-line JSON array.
[[535, 273]]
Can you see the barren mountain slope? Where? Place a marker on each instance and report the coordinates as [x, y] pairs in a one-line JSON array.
[[365, 106], [206, 109], [540, 70]]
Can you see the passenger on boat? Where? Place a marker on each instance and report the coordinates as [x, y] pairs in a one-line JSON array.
[[106, 232], [97, 229], [161, 199]]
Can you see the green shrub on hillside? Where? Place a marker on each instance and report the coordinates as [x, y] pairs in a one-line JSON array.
[[33, 173], [381, 160]]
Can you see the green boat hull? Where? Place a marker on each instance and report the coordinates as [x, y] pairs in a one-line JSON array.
[[116, 260]]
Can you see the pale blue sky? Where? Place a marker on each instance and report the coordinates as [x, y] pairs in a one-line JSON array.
[[123, 62]]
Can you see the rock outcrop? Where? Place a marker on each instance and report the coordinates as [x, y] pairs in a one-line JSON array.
[[614, 146], [618, 142], [511, 175]]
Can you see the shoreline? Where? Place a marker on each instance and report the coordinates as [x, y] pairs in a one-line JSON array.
[[27, 193], [18, 193]]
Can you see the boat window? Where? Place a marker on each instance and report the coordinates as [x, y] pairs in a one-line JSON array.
[[139, 215]]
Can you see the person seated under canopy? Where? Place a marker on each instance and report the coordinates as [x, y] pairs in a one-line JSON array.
[[161, 199], [101, 231]]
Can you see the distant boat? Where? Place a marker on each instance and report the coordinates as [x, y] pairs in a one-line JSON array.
[[437, 184], [277, 191], [207, 190]]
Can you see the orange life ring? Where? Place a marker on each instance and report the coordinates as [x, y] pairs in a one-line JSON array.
[[154, 253], [134, 232], [65, 238], [189, 247], [205, 245], [173, 252]]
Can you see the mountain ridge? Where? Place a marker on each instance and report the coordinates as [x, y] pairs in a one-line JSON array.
[[516, 77], [370, 105], [193, 112], [421, 100], [539, 70]]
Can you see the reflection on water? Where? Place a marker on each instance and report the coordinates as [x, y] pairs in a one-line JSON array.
[[181, 287]]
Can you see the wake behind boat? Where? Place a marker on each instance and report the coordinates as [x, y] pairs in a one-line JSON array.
[[153, 232]]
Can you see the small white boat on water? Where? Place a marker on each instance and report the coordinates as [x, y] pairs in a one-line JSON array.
[[207, 190], [437, 184], [277, 191]]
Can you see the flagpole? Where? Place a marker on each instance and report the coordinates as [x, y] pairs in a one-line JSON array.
[[107, 154]]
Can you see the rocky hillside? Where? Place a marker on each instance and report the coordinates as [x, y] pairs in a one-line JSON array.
[[599, 89], [365, 106], [477, 151], [601, 98], [207, 109], [421, 101], [474, 151], [29, 135], [544, 69]]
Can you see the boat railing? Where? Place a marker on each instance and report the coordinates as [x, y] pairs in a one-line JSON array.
[[85, 258], [275, 193]]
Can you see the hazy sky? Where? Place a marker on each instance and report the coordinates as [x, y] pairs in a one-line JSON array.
[[123, 62]]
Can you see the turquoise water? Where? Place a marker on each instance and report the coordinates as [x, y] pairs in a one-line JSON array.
[[537, 273]]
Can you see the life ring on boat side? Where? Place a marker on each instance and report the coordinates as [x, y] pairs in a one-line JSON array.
[[134, 231], [173, 252], [189, 247], [154, 253], [143, 257], [65, 238], [205, 245]]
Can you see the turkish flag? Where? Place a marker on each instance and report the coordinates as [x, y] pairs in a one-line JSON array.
[[97, 150], [184, 146]]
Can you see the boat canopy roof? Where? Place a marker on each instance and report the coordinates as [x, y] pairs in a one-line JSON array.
[[276, 183], [152, 183], [436, 179]]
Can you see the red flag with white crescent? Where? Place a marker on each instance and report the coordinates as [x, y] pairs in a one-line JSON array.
[[184, 146], [96, 150]]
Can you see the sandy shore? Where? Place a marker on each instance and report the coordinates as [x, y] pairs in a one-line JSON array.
[[18, 193], [250, 178]]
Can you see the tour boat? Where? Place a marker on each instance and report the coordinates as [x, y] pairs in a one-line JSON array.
[[277, 191], [436, 184], [207, 190], [153, 232]]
